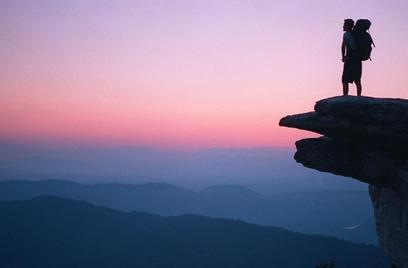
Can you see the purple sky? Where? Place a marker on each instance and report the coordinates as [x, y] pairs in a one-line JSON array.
[[182, 73]]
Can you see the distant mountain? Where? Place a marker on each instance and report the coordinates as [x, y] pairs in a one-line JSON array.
[[328, 213], [266, 170], [230, 190], [55, 232]]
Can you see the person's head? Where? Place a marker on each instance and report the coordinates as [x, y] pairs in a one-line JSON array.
[[348, 24]]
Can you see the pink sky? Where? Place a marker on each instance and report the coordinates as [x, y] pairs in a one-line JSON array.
[[182, 73]]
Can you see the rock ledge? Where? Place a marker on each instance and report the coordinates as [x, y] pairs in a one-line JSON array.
[[366, 139]]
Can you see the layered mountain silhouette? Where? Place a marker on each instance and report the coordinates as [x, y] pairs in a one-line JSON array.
[[343, 214], [55, 232]]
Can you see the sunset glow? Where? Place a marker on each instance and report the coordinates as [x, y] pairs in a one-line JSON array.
[[184, 74]]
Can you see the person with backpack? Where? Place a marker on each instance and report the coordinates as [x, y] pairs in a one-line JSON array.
[[355, 48]]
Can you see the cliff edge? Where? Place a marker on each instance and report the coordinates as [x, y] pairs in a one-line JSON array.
[[367, 139]]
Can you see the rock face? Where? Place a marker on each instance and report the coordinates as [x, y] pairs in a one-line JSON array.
[[366, 139]]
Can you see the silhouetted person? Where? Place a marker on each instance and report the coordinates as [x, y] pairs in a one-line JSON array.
[[352, 64]]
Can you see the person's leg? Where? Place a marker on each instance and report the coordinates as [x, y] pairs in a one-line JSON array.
[[359, 89], [345, 88], [346, 78], [357, 77]]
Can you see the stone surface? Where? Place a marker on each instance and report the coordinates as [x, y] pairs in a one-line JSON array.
[[366, 139], [365, 109], [349, 128], [353, 159], [390, 210]]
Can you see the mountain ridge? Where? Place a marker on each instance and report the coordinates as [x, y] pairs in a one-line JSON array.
[[313, 213], [33, 230]]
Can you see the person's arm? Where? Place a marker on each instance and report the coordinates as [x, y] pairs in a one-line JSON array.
[[343, 51]]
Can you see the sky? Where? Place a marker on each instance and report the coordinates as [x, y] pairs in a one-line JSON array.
[[183, 74]]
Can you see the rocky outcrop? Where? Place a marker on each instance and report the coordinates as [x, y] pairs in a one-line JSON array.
[[366, 139], [370, 120]]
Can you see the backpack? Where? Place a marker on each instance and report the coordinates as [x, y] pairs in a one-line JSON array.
[[362, 40]]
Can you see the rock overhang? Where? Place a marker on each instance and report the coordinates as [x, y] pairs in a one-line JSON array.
[[363, 137], [367, 139]]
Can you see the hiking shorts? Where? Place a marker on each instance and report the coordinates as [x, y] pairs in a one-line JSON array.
[[352, 72]]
